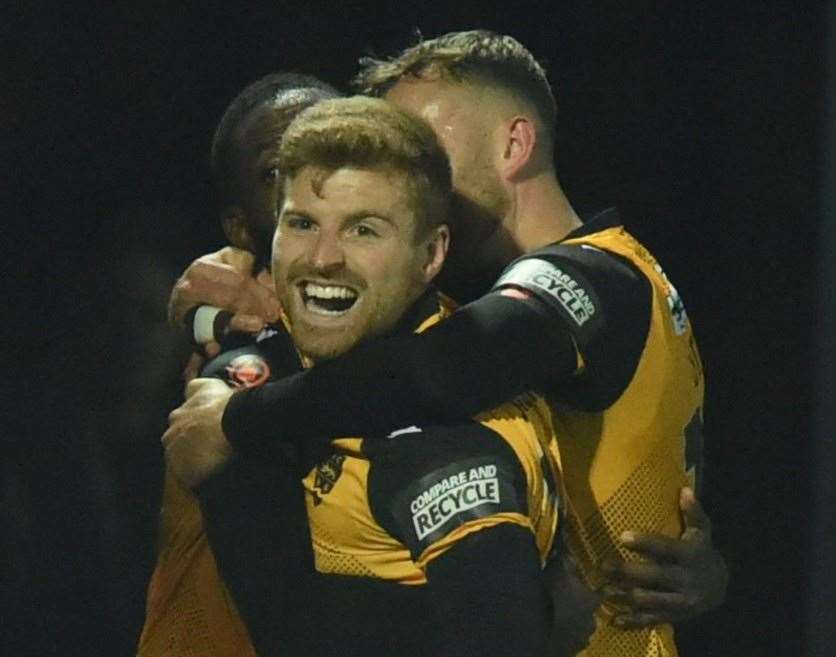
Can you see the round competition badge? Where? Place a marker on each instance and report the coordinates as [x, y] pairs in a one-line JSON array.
[[248, 371]]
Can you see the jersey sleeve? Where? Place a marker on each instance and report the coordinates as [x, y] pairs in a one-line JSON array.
[[431, 489], [254, 509], [602, 301], [489, 595]]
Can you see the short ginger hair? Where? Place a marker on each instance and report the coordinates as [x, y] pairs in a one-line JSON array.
[[370, 132]]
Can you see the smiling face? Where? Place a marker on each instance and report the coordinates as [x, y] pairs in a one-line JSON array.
[[347, 262]]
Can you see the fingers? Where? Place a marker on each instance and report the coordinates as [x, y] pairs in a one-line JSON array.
[[261, 301], [239, 259], [647, 607], [638, 620], [193, 366], [632, 574], [195, 386], [242, 323], [639, 599], [209, 283], [212, 349], [170, 433], [693, 515], [266, 280], [656, 547], [223, 279]]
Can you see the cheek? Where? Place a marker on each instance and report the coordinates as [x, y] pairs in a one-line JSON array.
[[267, 207], [286, 251], [400, 278]]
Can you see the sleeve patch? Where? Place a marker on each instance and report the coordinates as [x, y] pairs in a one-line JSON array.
[[568, 290], [564, 288], [431, 507]]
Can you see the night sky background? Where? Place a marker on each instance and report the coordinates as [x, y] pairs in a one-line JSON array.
[[705, 123]]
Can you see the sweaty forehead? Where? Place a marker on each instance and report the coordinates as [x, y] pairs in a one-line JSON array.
[[439, 100]]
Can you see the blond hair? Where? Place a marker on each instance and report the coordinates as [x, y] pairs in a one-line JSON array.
[[477, 56]]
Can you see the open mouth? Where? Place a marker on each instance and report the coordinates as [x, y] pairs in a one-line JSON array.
[[329, 300]]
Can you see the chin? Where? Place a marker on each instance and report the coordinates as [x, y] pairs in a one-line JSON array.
[[321, 350]]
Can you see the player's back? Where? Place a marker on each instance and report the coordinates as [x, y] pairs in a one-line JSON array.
[[189, 610]]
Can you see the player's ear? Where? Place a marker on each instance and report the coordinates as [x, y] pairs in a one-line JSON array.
[[234, 222], [520, 136], [436, 250]]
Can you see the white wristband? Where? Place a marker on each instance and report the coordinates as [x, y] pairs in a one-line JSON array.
[[203, 326]]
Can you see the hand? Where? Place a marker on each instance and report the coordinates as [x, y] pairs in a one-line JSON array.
[[194, 365], [195, 444], [225, 279], [678, 579], [573, 607]]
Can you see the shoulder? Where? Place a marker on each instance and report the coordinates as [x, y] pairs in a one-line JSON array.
[[602, 299], [425, 483], [579, 280]]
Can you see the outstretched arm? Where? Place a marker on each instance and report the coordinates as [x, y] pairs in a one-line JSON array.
[[590, 317], [487, 352]]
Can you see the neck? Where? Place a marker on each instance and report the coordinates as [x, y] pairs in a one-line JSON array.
[[540, 213]]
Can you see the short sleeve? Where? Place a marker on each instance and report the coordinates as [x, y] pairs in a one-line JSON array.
[[431, 487]]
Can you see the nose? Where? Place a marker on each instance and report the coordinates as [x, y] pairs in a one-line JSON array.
[[327, 254]]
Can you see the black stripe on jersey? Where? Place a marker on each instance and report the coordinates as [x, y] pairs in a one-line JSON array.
[[423, 485]]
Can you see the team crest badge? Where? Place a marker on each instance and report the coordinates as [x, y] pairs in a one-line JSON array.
[[327, 474]]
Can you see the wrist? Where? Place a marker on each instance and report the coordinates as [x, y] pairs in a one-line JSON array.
[[233, 420]]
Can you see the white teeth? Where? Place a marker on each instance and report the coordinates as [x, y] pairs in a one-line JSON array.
[[315, 308], [329, 291]]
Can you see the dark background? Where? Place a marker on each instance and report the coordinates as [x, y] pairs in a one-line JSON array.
[[705, 125]]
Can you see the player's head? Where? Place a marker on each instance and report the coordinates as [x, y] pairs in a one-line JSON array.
[[244, 152], [362, 229], [491, 105]]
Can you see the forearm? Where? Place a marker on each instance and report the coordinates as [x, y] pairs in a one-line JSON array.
[[486, 353], [257, 526], [489, 594]]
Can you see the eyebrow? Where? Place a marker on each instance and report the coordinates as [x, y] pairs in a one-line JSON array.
[[360, 215], [352, 220], [289, 209]]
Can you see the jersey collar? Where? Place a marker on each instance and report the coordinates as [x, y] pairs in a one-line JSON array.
[[425, 307], [599, 221]]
